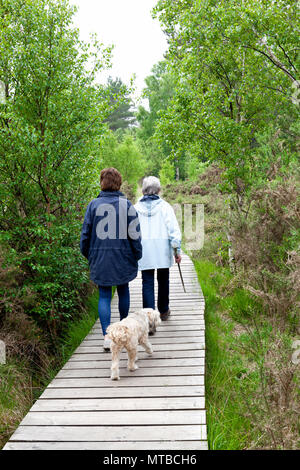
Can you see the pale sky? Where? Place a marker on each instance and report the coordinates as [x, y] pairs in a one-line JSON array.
[[128, 24]]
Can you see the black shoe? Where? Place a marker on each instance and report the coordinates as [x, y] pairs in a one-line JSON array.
[[165, 316]]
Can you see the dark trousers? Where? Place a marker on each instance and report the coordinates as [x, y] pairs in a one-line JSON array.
[[104, 309], [163, 289]]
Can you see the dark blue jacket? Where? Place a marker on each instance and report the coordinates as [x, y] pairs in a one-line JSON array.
[[111, 240]]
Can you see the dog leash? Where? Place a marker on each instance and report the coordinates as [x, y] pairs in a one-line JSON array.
[[178, 264]]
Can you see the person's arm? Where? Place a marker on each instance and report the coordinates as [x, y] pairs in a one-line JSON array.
[[174, 232], [134, 232], [86, 233]]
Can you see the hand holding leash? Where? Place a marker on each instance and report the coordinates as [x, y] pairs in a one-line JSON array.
[[178, 260]]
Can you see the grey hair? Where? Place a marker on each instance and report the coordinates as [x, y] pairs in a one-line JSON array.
[[151, 185]]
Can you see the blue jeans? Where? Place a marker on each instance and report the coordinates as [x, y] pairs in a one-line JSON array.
[[163, 289], [104, 308]]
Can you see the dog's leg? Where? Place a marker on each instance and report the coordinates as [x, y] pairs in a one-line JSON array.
[[144, 341], [115, 350], [132, 356]]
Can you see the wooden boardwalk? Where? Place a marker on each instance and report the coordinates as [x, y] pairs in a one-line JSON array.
[[159, 406]]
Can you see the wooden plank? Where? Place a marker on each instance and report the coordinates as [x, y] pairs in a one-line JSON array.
[[158, 339], [178, 310], [124, 372], [190, 279], [155, 341], [184, 314], [141, 363], [158, 347], [133, 381], [172, 320], [160, 335], [135, 294], [189, 307], [111, 418], [176, 315], [193, 292], [176, 326], [191, 287], [183, 317], [141, 355], [191, 283], [127, 445], [173, 277], [177, 333], [180, 315], [166, 327], [109, 433], [153, 393]]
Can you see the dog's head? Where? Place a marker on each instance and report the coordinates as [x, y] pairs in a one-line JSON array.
[[153, 319]]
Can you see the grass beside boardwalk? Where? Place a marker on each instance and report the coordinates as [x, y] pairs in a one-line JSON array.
[[227, 427], [15, 396], [20, 386], [252, 388], [80, 329]]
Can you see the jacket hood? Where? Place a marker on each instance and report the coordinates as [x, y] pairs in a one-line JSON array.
[[149, 207], [110, 193]]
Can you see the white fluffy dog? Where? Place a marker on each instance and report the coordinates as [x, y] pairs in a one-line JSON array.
[[129, 333]]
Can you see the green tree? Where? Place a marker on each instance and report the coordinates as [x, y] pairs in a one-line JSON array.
[[50, 125], [125, 156], [158, 92], [236, 67], [122, 116], [167, 172]]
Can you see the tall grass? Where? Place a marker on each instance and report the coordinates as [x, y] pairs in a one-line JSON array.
[[79, 329], [251, 386], [15, 396], [20, 386], [227, 426]]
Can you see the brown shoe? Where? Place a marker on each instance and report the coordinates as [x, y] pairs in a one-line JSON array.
[[165, 316]]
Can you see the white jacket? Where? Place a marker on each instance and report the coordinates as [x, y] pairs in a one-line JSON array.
[[160, 233]]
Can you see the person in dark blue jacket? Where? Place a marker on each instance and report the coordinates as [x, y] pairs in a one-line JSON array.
[[111, 241]]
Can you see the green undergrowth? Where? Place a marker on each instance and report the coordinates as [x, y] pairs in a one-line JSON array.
[[227, 427], [79, 329], [15, 396], [249, 378], [73, 337], [21, 385], [252, 385]]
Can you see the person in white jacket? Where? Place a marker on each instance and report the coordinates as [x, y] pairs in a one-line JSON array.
[[160, 236]]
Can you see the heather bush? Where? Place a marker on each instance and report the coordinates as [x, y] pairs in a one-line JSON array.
[[266, 247]]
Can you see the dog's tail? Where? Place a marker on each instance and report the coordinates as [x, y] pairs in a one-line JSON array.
[[119, 334]]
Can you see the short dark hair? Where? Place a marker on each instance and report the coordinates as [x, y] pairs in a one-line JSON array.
[[110, 179]]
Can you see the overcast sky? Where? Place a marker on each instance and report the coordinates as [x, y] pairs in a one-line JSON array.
[[128, 24]]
